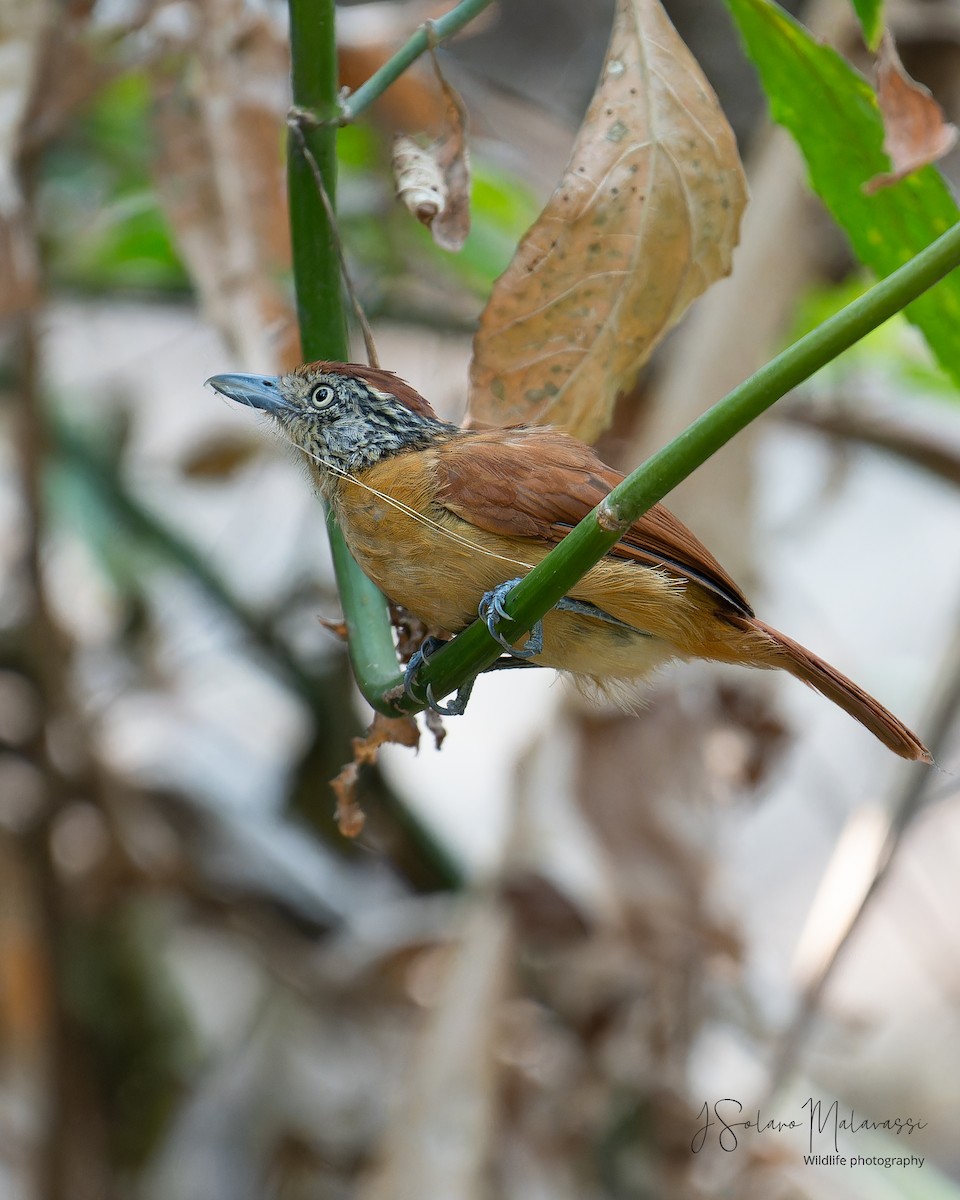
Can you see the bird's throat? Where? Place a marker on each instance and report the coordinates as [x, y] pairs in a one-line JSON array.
[[352, 447]]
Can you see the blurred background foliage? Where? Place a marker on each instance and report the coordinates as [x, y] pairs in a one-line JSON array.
[[540, 952], [99, 221]]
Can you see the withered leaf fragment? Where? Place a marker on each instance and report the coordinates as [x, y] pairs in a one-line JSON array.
[[915, 131], [433, 181], [402, 731]]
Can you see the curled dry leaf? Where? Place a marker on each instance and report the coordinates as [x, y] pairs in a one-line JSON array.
[[434, 181], [402, 731], [419, 182], [915, 132], [645, 218]]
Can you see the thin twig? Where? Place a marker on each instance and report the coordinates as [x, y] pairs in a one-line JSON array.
[[294, 121], [431, 33]]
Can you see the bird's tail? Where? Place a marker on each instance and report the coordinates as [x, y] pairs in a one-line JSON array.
[[777, 650]]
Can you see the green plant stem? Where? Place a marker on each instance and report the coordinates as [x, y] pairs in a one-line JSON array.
[[320, 307], [474, 649], [323, 335], [432, 32], [316, 269]]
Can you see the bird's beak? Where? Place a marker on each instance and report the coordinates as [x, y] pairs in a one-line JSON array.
[[256, 391]]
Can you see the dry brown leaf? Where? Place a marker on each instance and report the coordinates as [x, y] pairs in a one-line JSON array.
[[451, 226], [401, 731], [433, 182], [350, 816], [645, 218], [915, 131]]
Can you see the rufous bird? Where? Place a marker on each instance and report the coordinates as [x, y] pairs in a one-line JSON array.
[[444, 519]]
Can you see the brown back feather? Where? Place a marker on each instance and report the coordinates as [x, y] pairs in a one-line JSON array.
[[539, 483]]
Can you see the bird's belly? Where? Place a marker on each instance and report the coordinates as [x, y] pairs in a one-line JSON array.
[[432, 563], [439, 568], [596, 648]]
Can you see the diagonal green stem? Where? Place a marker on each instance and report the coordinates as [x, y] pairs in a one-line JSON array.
[[430, 33], [474, 649]]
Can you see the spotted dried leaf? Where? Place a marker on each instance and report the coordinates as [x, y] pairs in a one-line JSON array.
[[401, 731], [644, 219], [915, 131]]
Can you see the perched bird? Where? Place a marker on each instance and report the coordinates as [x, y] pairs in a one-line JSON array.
[[440, 518]]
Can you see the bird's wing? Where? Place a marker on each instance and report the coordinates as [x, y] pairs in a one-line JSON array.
[[539, 483]]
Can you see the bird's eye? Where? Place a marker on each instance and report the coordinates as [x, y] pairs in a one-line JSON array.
[[322, 396]]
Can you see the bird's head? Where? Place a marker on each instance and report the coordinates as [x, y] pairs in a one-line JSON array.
[[343, 416]]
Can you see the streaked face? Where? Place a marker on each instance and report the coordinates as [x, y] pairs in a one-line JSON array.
[[341, 422]]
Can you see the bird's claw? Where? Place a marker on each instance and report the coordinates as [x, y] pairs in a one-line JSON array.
[[491, 609], [458, 705]]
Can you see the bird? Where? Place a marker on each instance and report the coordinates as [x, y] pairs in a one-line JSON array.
[[445, 520]]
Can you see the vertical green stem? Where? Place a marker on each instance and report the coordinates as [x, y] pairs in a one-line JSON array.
[[316, 271], [320, 306], [323, 335]]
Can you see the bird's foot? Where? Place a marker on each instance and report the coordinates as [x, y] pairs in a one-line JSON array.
[[491, 610], [458, 705], [585, 609]]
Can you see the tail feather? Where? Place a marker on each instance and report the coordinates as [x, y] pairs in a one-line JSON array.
[[813, 671]]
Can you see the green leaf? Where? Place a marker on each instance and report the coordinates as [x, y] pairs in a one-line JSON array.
[[833, 115], [870, 14]]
